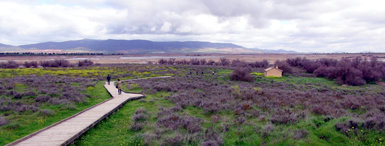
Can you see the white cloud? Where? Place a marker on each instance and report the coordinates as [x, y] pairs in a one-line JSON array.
[[300, 25]]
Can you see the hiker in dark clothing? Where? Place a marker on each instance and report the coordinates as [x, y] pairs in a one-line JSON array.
[[108, 79], [119, 87]]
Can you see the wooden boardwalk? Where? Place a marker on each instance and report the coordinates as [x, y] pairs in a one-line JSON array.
[[66, 131]]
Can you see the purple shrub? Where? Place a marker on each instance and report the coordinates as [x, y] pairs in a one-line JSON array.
[[261, 64], [46, 112], [30, 94], [170, 121], [354, 71], [212, 135], [33, 64], [162, 61], [42, 98], [137, 126], [85, 63], [9, 64], [171, 61], [299, 134], [348, 126], [210, 62], [55, 63], [195, 61], [210, 143], [192, 125], [18, 95], [267, 129], [3, 121], [224, 61], [285, 67], [174, 141], [284, 117], [239, 63], [140, 117], [241, 74]]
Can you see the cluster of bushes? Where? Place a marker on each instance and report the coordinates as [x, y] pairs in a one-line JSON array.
[[40, 91], [221, 62], [9, 64], [55, 63], [241, 74], [356, 71], [174, 129], [139, 119], [270, 97], [50, 63], [3, 121], [372, 121]]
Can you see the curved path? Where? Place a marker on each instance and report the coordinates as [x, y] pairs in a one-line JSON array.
[[66, 131]]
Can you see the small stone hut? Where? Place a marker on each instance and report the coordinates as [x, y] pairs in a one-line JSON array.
[[273, 72]]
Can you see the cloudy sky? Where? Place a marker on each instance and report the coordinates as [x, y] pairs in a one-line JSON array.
[[299, 25]]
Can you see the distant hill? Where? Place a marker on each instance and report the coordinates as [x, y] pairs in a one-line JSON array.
[[135, 47], [138, 46], [9, 48], [5, 45]]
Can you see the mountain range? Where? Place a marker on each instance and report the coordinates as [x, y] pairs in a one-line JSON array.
[[131, 47]]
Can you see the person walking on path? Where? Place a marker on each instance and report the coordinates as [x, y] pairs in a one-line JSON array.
[[119, 87], [108, 79]]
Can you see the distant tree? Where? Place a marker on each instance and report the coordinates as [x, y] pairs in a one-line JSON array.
[[9, 64], [202, 62], [162, 61], [261, 64], [31, 64], [224, 61], [194, 61], [171, 61], [285, 67], [211, 62], [55, 63], [85, 63]]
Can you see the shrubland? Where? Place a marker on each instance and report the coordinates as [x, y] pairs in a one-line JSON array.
[[350, 71], [211, 109], [33, 98]]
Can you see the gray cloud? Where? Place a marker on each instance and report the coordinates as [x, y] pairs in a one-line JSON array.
[[300, 25]]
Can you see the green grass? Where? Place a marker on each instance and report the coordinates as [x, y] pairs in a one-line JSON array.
[[316, 81], [115, 130], [26, 123]]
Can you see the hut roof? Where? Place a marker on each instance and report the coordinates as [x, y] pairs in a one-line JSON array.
[[270, 68]]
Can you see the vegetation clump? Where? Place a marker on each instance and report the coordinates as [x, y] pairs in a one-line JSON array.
[[350, 71], [242, 74]]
